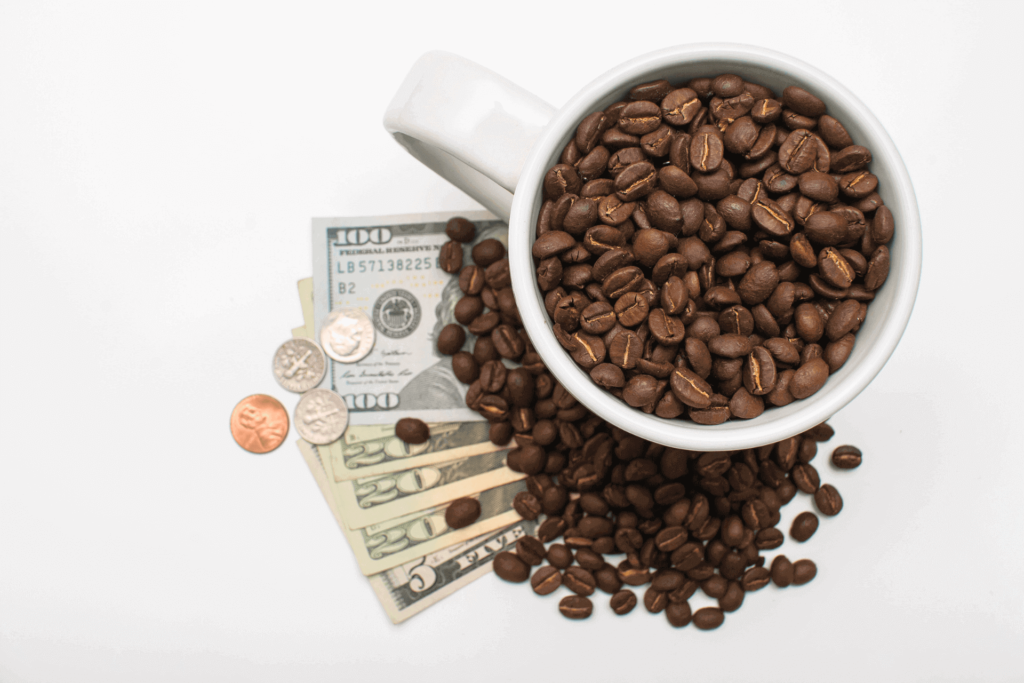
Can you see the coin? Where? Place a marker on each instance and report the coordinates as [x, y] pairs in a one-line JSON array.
[[299, 365], [347, 335], [259, 423], [321, 416]]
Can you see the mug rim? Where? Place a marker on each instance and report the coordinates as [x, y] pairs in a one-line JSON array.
[[733, 434]]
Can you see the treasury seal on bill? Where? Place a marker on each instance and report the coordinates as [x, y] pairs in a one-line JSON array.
[[347, 335], [321, 416], [396, 313], [299, 365]]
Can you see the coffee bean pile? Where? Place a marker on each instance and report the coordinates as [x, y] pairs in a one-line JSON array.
[[679, 520], [709, 251]]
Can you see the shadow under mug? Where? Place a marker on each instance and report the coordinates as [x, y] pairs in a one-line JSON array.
[[495, 141]]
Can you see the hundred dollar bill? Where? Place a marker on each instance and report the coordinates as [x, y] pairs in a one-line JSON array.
[[370, 450], [375, 499], [388, 266], [410, 588]]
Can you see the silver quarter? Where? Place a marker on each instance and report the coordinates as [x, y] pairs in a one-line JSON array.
[[347, 335], [299, 365], [321, 416]]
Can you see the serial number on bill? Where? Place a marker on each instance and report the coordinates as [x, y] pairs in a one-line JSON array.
[[388, 265]]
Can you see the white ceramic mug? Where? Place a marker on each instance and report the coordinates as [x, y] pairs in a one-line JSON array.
[[495, 141]]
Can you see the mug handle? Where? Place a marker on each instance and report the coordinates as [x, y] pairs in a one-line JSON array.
[[471, 126]]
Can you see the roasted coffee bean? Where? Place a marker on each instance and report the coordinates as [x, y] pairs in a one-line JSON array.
[[708, 618], [833, 132], [804, 526], [804, 571], [678, 613], [468, 309], [802, 102], [460, 230], [846, 457], [768, 539], [450, 339], [546, 580], [412, 430], [527, 505], [623, 602], [579, 581], [462, 512], [828, 500], [809, 378], [732, 600], [878, 268], [471, 280], [655, 601], [450, 257], [511, 567], [782, 571], [640, 117], [805, 478], [551, 529], [755, 578], [530, 550], [575, 607], [559, 555]]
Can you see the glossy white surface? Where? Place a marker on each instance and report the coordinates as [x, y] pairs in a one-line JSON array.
[[159, 164]]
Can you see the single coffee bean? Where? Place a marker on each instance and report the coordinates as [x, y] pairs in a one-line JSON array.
[[846, 457], [782, 571], [412, 430], [530, 550], [450, 257], [623, 602], [462, 512], [510, 567], [755, 578], [809, 378], [546, 580], [804, 526], [450, 339], [828, 500], [732, 600], [655, 601], [527, 505], [575, 607], [579, 581], [678, 613], [768, 539], [487, 252], [803, 572], [551, 529], [460, 230], [833, 132], [708, 618], [559, 555]]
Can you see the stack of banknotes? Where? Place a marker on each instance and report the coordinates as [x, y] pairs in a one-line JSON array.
[[389, 497]]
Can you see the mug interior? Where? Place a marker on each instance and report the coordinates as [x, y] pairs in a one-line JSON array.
[[887, 313]]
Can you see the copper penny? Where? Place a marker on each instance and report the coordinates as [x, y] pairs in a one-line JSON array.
[[259, 423]]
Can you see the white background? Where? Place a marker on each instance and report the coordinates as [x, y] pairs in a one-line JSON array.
[[159, 166]]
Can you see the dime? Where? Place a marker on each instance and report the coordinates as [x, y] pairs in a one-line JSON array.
[[347, 335], [321, 416], [299, 365], [259, 423]]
